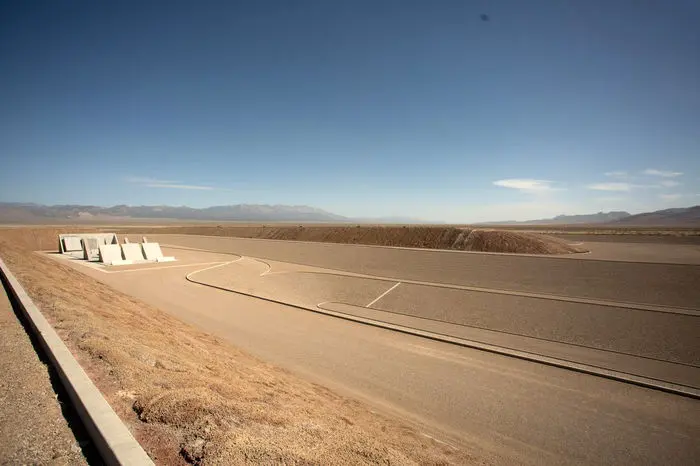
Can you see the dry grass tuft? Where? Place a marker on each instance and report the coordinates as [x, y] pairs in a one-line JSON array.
[[192, 398]]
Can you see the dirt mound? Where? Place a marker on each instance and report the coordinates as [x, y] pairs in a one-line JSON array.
[[512, 242], [405, 236]]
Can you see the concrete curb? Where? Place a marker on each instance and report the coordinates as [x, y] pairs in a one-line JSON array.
[[632, 379], [113, 440]]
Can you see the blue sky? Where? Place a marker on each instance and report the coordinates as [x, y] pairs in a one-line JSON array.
[[364, 107]]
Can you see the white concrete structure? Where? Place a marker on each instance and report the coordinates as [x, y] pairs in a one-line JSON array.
[[91, 251], [152, 252], [72, 243], [105, 248], [111, 254], [132, 252]]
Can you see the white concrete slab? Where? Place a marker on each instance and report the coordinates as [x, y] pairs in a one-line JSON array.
[[110, 253], [91, 250], [72, 243], [132, 252], [151, 251]]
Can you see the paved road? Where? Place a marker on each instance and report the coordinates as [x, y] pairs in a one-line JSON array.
[[517, 411], [652, 283], [652, 335], [675, 253]]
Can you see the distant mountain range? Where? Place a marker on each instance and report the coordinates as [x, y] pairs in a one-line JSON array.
[[36, 213], [600, 217], [685, 216], [26, 213]]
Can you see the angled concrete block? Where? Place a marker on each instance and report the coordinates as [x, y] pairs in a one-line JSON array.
[[126, 240], [91, 250], [144, 239], [110, 253], [132, 252], [72, 243], [151, 251]]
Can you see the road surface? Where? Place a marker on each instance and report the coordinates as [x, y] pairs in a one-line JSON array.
[[519, 411]]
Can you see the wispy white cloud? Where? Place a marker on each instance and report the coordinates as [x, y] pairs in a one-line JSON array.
[[616, 174], [668, 183], [146, 180], [664, 173], [670, 197], [165, 184], [526, 185], [620, 187], [179, 186], [611, 198]]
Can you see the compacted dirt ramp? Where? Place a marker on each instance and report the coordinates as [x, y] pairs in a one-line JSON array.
[[430, 237]]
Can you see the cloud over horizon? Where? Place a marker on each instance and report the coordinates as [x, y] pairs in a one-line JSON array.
[[619, 187], [663, 173], [165, 184], [525, 185]]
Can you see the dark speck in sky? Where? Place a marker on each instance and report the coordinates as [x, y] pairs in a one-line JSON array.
[[485, 18]]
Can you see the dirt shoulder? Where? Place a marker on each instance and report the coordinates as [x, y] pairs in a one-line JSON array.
[[33, 429], [190, 397]]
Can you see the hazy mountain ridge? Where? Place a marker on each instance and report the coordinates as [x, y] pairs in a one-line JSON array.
[[600, 217], [25, 212], [680, 217], [684, 216], [246, 212]]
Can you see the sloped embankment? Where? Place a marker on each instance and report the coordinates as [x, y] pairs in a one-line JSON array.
[[466, 239]]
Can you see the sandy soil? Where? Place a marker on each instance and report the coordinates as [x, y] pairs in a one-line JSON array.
[[465, 239], [189, 396]]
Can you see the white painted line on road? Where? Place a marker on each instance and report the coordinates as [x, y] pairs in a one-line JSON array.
[[524, 294], [383, 294], [556, 362], [166, 267], [191, 274], [269, 267]]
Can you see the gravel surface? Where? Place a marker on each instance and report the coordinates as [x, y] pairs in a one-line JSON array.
[[33, 429]]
